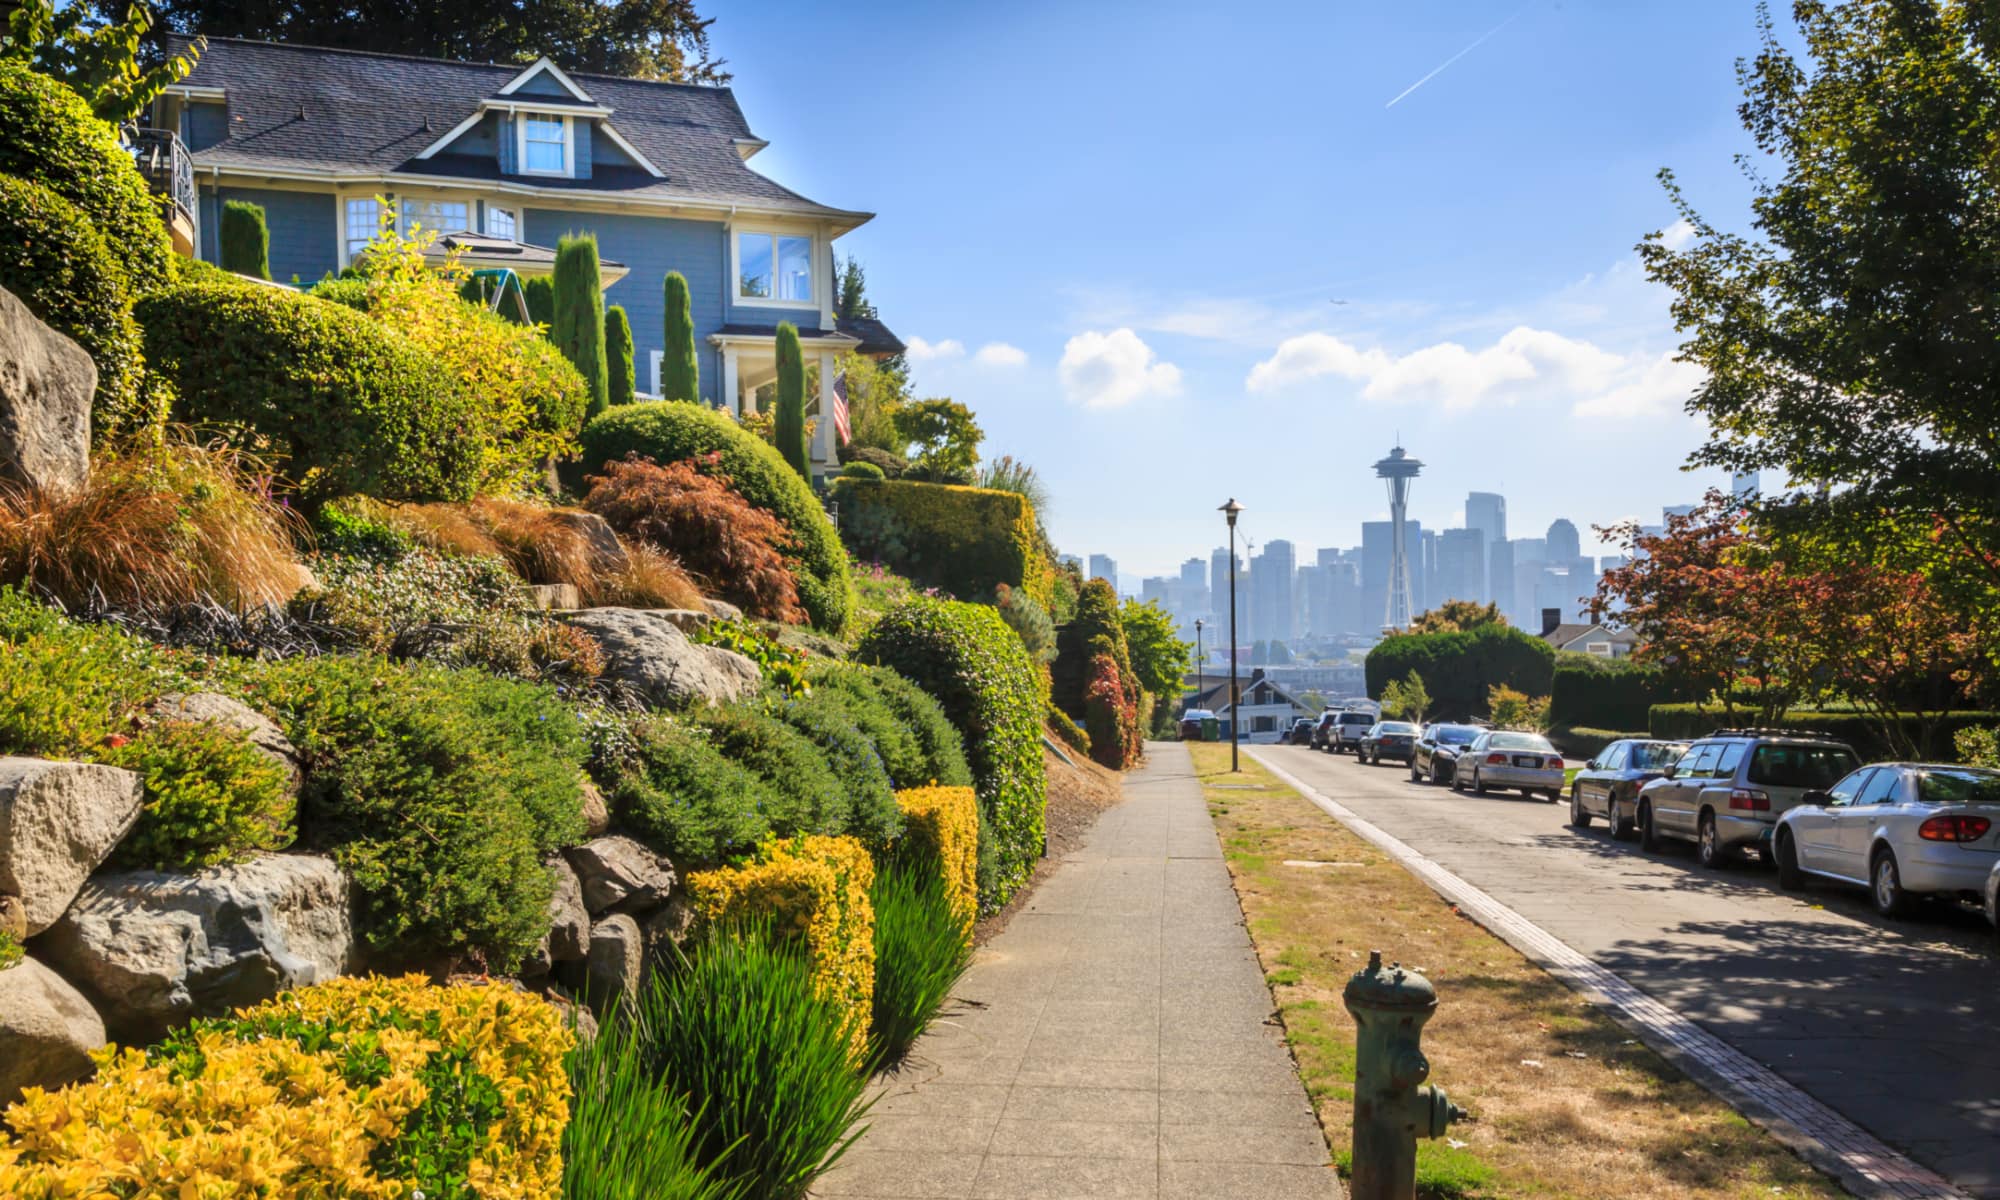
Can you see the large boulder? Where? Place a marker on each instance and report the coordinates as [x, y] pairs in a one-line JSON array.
[[215, 709], [596, 812], [47, 1030], [157, 949], [58, 822], [568, 938], [46, 381], [612, 971], [607, 553], [650, 656], [617, 872]]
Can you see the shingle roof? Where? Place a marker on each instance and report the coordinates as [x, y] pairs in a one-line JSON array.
[[311, 108], [876, 337]]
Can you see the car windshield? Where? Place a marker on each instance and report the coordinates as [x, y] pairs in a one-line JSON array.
[[1455, 735], [1957, 785], [1196, 714], [1776, 765], [1356, 719], [1521, 741], [1654, 756], [1397, 727]]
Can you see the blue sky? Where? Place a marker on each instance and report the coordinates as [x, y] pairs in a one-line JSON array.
[[1119, 232]]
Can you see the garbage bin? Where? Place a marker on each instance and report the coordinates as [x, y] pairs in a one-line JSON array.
[[1211, 729]]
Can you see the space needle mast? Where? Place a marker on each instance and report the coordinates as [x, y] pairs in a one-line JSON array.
[[1399, 469]]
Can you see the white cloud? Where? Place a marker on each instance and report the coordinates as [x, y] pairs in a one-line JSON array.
[[1446, 373], [1000, 354], [924, 351], [1679, 235], [1653, 389], [1107, 370]]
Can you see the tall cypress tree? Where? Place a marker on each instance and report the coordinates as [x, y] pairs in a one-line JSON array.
[[618, 355], [245, 241], [579, 323], [791, 424], [680, 370]]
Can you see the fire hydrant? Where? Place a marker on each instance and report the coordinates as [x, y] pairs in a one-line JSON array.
[[1393, 1107]]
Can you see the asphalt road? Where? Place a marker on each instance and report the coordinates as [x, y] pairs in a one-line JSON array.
[[1894, 1024]]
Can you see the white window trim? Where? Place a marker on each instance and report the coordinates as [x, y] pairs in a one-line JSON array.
[[341, 200], [736, 268], [569, 145], [513, 212], [544, 65]]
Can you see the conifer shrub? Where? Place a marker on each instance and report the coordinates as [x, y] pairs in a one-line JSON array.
[[210, 797], [680, 366], [873, 815], [686, 798], [789, 432], [930, 750], [578, 329], [809, 797], [618, 355], [670, 433], [966, 657], [244, 241], [540, 295]]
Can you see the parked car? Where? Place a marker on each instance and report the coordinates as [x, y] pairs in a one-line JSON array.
[[1901, 830], [1504, 758], [1436, 753], [1348, 730], [1323, 728], [1608, 786], [1191, 723], [1387, 740], [1729, 789], [1993, 898], [1301, 732]]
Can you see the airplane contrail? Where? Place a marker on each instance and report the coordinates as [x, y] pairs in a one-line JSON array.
[[1439, 69]]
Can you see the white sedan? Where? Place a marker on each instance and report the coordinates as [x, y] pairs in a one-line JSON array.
[[1901, 830], [1502, 758]]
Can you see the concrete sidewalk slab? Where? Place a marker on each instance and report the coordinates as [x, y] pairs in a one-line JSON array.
[[1115, 1040]]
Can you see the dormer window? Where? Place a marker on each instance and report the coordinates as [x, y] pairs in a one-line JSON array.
[[774, 268], [547, 145]]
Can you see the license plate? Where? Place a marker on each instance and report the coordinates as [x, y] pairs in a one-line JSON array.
[[1527, 760]]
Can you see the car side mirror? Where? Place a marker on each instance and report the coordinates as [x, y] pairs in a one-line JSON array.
[[1817, 798], [1670, 772], [1591, 765]]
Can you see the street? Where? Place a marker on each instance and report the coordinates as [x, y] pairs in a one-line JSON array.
[[1892, 1024]]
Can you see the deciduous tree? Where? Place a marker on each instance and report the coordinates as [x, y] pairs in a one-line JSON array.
[[98, 51]]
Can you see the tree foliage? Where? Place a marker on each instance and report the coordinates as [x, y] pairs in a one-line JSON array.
[[1455, 616], [101, 59], [1159, 656], [245, 241], [680, 366], [943, 438], [1407, 698], [578, 330], [618, 355], [791, 419]]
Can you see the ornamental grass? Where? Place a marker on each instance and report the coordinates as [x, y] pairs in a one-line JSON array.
[[923, 945]]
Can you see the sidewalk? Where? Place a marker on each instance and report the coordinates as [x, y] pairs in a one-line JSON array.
[[1111, 1042]]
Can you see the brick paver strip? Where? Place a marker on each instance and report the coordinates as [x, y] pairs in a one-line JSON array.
[[1117, 1039], [1822, 1136]]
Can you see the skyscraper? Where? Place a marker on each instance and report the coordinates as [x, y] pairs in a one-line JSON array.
[[1487, 512], [1218, 578], [1105, 567], [1398, 471], [1461, 572], [1272, 592], [1564, 544]]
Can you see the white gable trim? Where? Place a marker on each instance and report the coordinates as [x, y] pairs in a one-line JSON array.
[[618, 139], [540, 65], [457, 131]]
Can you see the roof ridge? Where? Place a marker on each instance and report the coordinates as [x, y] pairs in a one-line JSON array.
[[517, 68]]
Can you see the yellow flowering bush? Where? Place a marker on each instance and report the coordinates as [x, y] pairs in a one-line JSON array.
[[814, 888], [941, 825], [372, 1088]]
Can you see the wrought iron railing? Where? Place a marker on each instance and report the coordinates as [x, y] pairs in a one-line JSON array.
[[163, 159]]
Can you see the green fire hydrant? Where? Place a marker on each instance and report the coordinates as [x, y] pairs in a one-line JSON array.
[[1393, 1107]]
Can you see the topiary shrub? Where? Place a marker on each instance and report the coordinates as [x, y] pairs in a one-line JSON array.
[[911, 731], [344, 404], [1093, 681], [688, 800], [55, 262], [789, 431], [851, 755], [244, 242], [965, 541], [53, 139], [941, 833], [1460, 669], [211, 797], [888, 462], [618, 354], [862, 470], [1068, 730], [965, 656], [1111, 716], [810, 798], [669, 433]]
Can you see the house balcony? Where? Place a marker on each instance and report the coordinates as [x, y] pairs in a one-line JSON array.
[[162, 158]]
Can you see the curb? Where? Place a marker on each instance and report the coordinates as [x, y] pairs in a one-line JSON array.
[[1860, 1161]]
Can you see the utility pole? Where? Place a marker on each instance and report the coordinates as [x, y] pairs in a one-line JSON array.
[[1230, 512]]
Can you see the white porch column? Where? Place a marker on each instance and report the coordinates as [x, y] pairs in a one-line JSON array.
[[732, 398], [824, 439]]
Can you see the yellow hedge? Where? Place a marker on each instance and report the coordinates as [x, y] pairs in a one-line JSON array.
[[816, 888], [961, 539], [329, 1091], [941, 824]]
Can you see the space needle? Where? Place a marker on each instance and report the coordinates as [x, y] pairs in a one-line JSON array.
[[1399, 469]]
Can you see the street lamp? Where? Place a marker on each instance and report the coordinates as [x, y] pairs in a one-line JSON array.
[[1200, 683], [1230, 512]]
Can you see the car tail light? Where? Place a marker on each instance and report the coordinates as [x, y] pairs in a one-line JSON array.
[[1555, 763], [1955, 828], [1750, 800], [1496, 760]]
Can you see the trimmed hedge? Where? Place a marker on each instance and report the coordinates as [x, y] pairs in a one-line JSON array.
[[349, 406], [965, 655], [1606, 693], [1581, 741], [942, 834], [55, 140], [244, 242], [57, 263], [826, 721], [810, 797], [686, 798], [1682, 722], [670, 431], [1459, 669], [963, 540]]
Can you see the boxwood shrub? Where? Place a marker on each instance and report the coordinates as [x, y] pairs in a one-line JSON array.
[[57, 263], [965, 656], [964, 540], [346, 404], [671, 431], [54, 139], [850, 754]]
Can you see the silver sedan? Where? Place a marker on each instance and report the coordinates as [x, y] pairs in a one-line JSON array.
[[1503, 758], [1901, 830]]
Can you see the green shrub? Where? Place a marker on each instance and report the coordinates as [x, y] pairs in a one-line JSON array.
[[1093, 681], [783, 667], [1460, 669], [967, 658], [540, 294], [1029, 621], [921, 952], [965, 541], [211, 797], [850, 754], [895, 743], [680, 366], [438, 791], [55, 262], [888, 462], [1606, 693], [53, 139], [1069, 731], [67, 688], [929, 750], [345, 405], [862, 470], [1581, 741], [1934, 735], [745, 1037], [790, 428], [245, 241], [578, 330], [349, 528], [11, 951], [809, 797], [618, 354], [686, 799], [668, 433]]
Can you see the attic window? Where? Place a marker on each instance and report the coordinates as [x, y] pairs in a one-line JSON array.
[[546, 144]]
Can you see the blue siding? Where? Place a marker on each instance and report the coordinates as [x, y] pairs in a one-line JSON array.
[[582, 130], [606, 152], [304, 230], [504, 132], [480, 141], [755, 314], [544, 84], [650, 247], [203, 125]]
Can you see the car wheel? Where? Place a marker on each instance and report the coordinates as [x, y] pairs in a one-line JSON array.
[[1578, 819], [1415, 776], [1649, 834], [1790, 877], [1708, 844], [1886, 885], [1621, 829], [1478, 786], [1553, 796], [1437, 772]]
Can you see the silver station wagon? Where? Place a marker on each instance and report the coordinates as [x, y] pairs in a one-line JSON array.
[[1727, 792]]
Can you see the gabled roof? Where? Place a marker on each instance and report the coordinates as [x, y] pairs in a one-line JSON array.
[[345, 113], [1564, 634]]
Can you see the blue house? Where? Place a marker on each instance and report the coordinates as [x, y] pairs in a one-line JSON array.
[[504, 160]]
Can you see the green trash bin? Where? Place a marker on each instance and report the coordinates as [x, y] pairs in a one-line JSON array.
[[1211, 729]]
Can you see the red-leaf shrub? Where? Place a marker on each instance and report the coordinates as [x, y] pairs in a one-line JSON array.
[[1110, 715], [695, 514]]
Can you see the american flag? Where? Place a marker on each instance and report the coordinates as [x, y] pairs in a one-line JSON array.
[[840, 425]]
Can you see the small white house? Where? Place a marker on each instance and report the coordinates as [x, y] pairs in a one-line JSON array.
[[1268, 710], [1601, 641]]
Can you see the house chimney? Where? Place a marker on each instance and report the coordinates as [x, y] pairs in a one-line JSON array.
[[1551, 617]]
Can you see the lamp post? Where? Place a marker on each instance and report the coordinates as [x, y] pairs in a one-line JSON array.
[[1230, 511], [1200, 659]]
